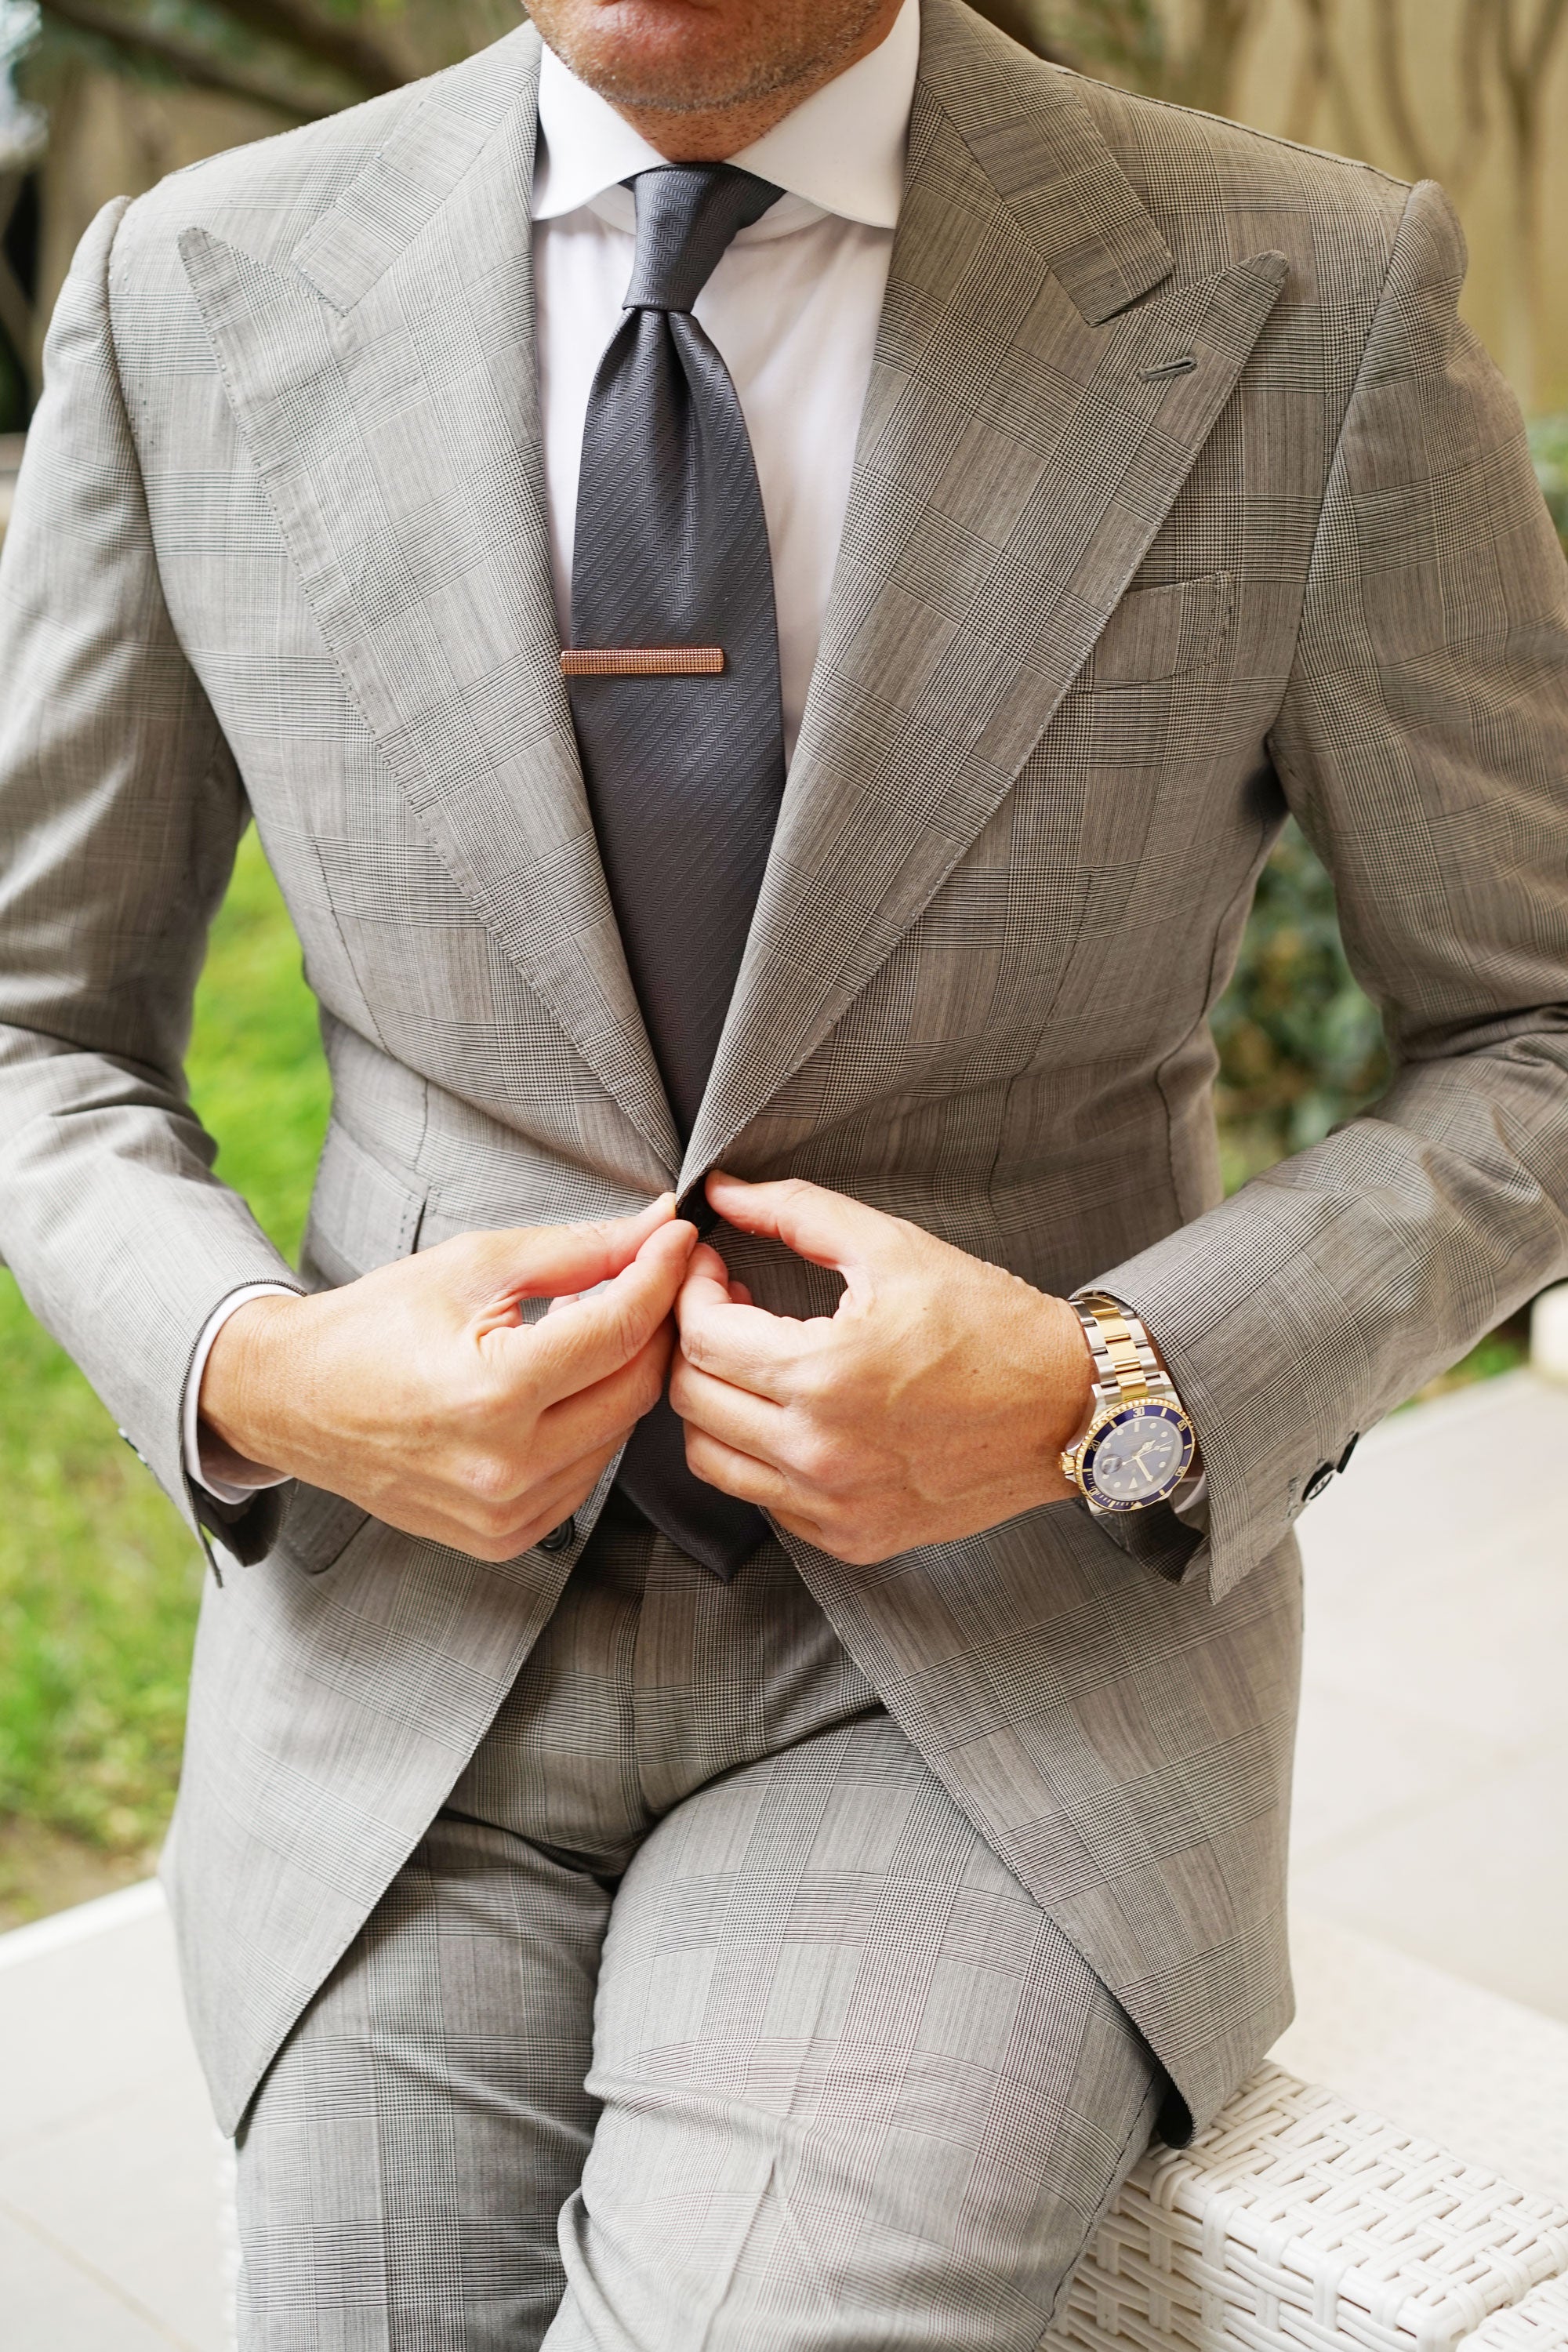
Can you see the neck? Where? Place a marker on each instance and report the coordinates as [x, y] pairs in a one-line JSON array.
[[712, 135]]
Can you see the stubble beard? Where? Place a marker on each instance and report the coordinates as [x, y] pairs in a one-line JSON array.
[[795, 49]]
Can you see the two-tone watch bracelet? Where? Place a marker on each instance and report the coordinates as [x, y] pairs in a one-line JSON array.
[[1125, 1363]]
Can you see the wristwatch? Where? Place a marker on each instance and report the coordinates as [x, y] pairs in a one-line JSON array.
[[1138, 1444]]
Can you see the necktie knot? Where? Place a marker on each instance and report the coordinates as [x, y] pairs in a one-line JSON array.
[[686, 214]]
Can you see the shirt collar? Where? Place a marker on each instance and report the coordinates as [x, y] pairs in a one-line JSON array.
[[842, 151]]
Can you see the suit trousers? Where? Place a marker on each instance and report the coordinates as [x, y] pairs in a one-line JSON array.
[[700, 2017]]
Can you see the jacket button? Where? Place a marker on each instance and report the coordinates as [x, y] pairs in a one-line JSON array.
[[1317, 1481], [561, 1538], [1344, 1460]]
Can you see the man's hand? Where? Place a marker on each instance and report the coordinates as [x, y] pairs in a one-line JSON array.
[[935, 1402], [416, 1392]]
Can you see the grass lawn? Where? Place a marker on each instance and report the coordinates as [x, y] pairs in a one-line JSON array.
[[99, 1580]]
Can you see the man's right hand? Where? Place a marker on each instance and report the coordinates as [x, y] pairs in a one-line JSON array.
[[416, 1393]]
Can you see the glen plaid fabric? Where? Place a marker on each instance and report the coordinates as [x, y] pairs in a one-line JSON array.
[[1180, 498], [817, 2072]]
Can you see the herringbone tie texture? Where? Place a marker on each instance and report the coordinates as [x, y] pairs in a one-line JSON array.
[[685, 772]]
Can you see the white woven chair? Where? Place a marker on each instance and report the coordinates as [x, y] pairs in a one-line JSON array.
[[1297, 2223], [1539, 2324]]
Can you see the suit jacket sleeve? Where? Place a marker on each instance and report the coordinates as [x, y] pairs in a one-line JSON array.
[[119, 812], [1423, 744]]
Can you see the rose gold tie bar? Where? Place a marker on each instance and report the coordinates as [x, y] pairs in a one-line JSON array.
[[642, 661]]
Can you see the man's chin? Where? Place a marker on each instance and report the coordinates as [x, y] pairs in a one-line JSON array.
[[678, 56], [673, 74]]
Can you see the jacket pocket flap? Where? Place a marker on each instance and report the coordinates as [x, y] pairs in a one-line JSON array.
[[362, 1215], [1158, 633]]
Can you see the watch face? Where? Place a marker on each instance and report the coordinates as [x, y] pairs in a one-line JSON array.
[[1140, 1457]]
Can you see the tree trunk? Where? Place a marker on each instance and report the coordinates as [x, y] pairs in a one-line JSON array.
[[1524, 61]]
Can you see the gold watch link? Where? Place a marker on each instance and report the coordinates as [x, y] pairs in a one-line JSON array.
[[1123, 1356], [1138, 1444]]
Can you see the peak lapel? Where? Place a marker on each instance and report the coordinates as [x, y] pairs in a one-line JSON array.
[[384, 382], [1017, 457]]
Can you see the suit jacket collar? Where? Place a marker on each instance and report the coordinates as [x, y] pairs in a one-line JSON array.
[[382, 379], [1031, 306], [1042, 385], [1028, 128]]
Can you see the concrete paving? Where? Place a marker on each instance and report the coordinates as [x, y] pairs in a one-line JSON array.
[[109, 2229], [1430, 1873], [1432, 1780]]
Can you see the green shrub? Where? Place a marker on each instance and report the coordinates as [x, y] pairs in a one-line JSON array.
[[98, 1579], [1549, 447], [1301, 1045]]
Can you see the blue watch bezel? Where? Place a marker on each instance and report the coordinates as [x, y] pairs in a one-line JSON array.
[[1119, 1415]]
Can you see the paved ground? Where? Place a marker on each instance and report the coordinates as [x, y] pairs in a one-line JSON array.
[[107, 2153], [1431, 1879], [1432, 1782]]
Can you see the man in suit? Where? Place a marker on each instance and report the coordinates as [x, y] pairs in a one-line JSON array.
[[767, 690]]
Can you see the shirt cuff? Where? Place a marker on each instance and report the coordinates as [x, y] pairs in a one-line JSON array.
[[223, 1490]]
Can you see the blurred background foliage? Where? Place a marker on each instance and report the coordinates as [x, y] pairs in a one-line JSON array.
[[1300, 1047], [98, 1579], [1472, 92]]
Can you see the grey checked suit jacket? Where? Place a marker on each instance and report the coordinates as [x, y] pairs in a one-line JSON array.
[[1180, 499]]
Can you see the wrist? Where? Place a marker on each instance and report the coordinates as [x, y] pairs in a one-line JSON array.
[[238, 1403], [1068, 1389]]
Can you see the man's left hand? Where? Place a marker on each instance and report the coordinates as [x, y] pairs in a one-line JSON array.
[[933, 1403]]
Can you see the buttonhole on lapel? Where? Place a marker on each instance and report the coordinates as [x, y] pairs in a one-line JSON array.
[[1168, 368]]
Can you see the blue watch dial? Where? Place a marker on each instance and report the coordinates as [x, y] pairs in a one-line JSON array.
[[1140, 1457]]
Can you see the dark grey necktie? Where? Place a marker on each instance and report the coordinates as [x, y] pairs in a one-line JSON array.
[[673, 673]]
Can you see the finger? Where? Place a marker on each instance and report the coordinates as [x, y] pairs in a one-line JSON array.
[[827, 1227], [749, 1481], [752, 1424], [738, 1474], [545, 1261], [574, 1298], [569, 1352], [546, 1507], [445, 1512], [739, 1295], [707, 1279], [738, 1343], [601, 1413], [706, 1284]]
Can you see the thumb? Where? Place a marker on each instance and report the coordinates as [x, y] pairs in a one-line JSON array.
[[547, 1261], [602, 1332], [828, 1228]]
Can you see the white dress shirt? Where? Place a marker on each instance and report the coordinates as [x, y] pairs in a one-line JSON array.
[[793, 307]]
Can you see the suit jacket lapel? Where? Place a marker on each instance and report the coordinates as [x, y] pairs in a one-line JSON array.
[[384, 384], [1024, 438]]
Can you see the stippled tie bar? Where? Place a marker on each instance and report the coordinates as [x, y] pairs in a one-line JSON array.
[[642, 661]]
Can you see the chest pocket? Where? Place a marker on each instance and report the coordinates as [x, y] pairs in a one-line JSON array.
[[1160, 633]]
